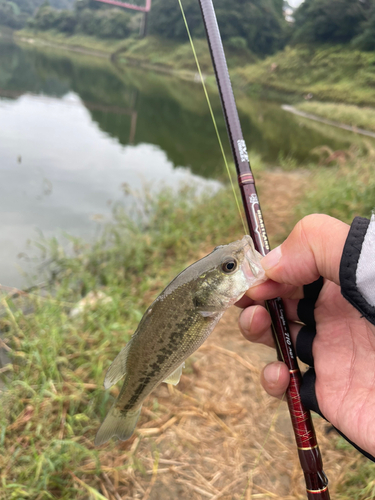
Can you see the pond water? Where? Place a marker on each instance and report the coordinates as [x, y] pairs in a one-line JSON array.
[[74, 130]]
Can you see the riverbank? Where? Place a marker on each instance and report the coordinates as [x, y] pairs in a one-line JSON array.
[[334, 74], [350, 115], [150, 53], [346, 119], [81, 44]]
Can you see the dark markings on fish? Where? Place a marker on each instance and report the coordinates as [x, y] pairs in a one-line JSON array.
[[164, 353]]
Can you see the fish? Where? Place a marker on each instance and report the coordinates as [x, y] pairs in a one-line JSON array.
[[174, 326]]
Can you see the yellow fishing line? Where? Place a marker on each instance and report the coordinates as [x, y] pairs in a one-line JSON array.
[[212, 115]]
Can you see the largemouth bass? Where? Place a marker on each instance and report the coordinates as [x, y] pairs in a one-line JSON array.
[[174, 326]]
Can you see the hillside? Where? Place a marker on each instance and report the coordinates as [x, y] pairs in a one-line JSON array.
[[330, 73]]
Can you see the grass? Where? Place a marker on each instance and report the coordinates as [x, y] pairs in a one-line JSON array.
[[333, 73], [348, 114], [345, 187]]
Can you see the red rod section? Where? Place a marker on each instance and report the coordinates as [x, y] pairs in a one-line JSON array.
[[140, 8], [308, 451]]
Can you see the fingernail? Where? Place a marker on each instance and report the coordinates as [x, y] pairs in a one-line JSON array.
[[271, 374], [271, 259], [246, 326], [250, 319]]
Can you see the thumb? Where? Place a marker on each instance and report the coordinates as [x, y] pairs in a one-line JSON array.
[[314, 248]]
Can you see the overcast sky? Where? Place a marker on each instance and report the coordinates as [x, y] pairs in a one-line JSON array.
[[295, 3]]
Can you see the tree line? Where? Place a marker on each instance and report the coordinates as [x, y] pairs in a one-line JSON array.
[[258, 25], [337, 22], [87, 17], [17, 13]]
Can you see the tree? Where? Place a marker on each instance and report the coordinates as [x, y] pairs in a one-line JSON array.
[[66, 21], [16, 13], [278, 6], [166, 21], [366, 38], [332, 21], [46, 18], [256, 21], [257, 25], [10, 15], [103, 23], [259, 22]]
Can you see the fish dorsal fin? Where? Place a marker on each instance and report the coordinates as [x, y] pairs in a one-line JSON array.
[[117, 370], [174, 377]]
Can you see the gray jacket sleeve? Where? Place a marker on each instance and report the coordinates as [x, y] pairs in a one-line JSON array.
[[357, 267]]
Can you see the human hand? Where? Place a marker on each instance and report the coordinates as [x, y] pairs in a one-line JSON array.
[[344, 345]]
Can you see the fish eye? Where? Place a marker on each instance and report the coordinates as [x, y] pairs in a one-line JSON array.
[[229, 266]]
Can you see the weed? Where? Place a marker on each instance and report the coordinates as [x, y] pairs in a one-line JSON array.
[[287, 162]]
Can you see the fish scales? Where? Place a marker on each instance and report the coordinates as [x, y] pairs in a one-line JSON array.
[[171, 332], [174, 326]]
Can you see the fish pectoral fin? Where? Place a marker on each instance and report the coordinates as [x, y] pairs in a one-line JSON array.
[[208, 314], [174, 377], [117, 370], [204, 309]]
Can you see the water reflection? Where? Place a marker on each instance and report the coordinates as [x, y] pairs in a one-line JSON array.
[[59, 171], [135, 106]]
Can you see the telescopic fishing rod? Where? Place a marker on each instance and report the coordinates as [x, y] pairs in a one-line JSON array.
[[308, 450]]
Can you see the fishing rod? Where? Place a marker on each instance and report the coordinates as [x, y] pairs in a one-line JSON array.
[[308, 450]]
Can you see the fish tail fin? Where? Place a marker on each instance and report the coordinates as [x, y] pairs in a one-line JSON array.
[[117, 423]]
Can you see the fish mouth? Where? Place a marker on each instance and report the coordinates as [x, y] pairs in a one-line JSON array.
[[252, 269]]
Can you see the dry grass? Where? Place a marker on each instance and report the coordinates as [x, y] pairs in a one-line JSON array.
[[282, 192], [217, 434]]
